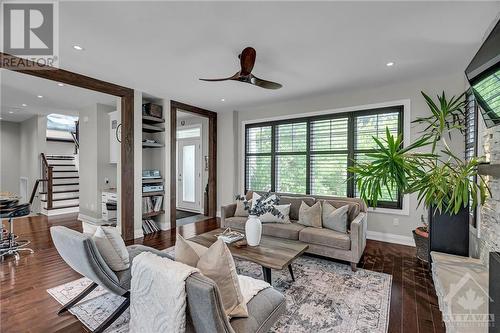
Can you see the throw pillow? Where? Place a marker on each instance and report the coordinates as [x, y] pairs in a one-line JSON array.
[[310, 216], [284, 209], [188, 252], [256, 196], [112, 248], [354, 208], [240, 208], [217, 264], [335, 218]]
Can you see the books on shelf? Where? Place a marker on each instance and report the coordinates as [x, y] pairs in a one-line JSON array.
[[152, 204], [149, 226]]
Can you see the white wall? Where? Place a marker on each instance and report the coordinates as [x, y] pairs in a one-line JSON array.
[[230, 176], [10, 137], [94, 164]]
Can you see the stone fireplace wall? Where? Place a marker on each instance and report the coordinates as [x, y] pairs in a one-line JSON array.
[[489, 224]]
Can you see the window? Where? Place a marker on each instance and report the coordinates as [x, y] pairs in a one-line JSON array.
[[311, 155], [60, 127], [471, 117]]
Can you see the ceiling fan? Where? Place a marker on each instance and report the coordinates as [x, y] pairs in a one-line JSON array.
[[247, 60]]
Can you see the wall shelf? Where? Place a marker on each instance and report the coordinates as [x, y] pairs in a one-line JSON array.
[[152, 194], [152, 129], [152, 120], [152, 180], [152, 145], [151, 214]]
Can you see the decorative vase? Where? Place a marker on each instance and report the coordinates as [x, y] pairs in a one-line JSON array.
[[253, 230]]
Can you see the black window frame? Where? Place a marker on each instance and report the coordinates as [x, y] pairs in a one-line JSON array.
[[351, 151], [471, 115]]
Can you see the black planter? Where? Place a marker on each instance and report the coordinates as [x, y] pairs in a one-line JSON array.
[[449, 233]]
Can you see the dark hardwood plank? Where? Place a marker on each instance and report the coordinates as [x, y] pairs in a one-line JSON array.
[[27, 307]]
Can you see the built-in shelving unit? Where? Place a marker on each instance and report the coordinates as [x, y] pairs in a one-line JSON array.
[[153, 129]]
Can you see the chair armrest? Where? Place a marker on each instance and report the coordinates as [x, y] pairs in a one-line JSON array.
[[225, 212], [358, 236], [204, 305]]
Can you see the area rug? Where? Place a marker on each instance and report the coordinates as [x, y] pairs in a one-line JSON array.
[[325, 297]]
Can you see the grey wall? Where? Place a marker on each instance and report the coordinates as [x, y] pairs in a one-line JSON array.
[[230, 177], [10, 137], [94, 163]]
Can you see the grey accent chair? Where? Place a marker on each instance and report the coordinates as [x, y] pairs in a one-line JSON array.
[[205, 312], [80, 253]]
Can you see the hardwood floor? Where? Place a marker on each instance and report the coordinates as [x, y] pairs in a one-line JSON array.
[[26, 306]]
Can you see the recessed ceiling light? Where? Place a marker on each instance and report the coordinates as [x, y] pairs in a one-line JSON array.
[[60, 84], [78, 47], [390, 64], [11, 112], [24, 104], [39, 96], [222, 100]]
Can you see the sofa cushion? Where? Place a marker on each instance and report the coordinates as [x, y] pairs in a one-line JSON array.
[[282, 230], [325, 237], [354, 208], [295, 203]]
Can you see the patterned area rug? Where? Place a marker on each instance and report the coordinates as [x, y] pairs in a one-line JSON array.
[[325, 297]]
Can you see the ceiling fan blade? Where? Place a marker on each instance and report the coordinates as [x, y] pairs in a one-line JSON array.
[[247, 60], [234, 77], [264, 83]]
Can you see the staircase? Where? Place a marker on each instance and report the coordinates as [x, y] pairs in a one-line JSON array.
[[60, 185]]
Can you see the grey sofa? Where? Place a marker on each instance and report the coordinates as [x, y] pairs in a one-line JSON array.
[[321, 241], [205, 309]]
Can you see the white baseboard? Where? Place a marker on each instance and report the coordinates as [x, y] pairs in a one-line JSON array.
[[138, 233], [90, 219], [390, 238]]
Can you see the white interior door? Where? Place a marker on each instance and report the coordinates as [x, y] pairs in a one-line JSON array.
[[189, 174]]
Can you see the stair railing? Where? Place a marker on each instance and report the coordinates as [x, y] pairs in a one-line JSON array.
[[48, 179]]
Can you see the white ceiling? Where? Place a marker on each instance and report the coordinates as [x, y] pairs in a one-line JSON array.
[[18, 89], [162, 48]]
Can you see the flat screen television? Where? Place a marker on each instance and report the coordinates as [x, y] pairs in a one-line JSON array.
[[483, 74]]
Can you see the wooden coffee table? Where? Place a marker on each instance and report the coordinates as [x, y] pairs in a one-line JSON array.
[[271, 253]]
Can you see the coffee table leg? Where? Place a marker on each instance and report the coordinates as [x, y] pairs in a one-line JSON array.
[[267, 274], [291, 272]]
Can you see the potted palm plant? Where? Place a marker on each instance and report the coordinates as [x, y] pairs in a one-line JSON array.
[[446, 184]]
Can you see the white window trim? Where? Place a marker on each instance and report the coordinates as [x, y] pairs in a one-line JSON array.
[[406, 103]]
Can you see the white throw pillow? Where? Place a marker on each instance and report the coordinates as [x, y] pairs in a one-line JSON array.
[[284, 209], [112, 248]]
